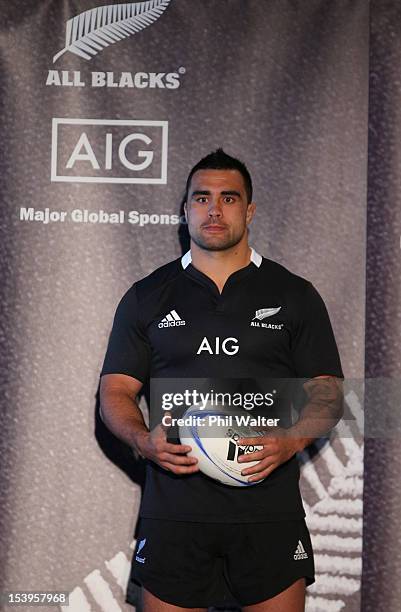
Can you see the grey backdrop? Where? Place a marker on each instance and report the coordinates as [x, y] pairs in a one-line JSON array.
[[382, 498], [283, 85]]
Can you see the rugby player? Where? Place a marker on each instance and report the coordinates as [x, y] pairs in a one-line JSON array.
[[202, 542]]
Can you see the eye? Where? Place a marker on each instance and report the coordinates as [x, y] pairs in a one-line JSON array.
[[228, 200], [201, 199]]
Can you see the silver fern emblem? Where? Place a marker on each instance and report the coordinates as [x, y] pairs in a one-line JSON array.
[[90, 32], [141, 545], [263, 313]]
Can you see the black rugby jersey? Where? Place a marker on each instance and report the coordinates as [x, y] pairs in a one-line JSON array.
[[266, 323]]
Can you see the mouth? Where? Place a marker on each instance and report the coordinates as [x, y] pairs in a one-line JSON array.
[[213, 228]]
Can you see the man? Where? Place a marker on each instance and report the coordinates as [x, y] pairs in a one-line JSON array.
[[200, 540]]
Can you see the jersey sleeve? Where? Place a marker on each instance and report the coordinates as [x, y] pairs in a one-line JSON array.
[[128, 351], [314, 348]]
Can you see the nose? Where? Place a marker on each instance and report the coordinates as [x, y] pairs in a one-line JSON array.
[[214, 209]]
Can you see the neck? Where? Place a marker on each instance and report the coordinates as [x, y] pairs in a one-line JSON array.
[[219, 265]]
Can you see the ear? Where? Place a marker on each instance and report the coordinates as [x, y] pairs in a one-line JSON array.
[[250, 211], [185, 211]]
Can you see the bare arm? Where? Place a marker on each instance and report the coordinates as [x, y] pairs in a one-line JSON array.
[[321, 413], [119, 409], [323, 410], [121, 414]]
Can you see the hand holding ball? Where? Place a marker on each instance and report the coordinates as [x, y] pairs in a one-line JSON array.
[[212, 433]]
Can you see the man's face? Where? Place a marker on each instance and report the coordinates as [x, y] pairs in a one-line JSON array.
[[217, 209]]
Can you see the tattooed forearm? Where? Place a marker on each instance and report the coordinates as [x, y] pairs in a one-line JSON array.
[[322, 411], [326, 392]]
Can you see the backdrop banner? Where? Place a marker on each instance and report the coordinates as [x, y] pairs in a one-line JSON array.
[[105, 109], [381, 588]]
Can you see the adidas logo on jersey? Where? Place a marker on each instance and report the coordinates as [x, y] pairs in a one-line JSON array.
[[300, 552], [172, 319]]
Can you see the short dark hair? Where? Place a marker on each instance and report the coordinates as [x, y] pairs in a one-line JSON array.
[[219, 160]]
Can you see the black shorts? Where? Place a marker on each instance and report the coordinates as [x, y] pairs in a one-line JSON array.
[[193, 564]]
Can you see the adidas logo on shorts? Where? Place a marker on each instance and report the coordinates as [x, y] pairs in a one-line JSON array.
[[300, 552], [172, 319]]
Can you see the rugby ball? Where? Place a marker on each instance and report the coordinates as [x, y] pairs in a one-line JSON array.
[[212, 432]]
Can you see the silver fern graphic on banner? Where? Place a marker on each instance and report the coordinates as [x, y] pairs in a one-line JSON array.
[[92, 31], [332, 491]]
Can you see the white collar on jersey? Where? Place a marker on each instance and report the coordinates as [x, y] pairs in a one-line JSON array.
[[255, 258]]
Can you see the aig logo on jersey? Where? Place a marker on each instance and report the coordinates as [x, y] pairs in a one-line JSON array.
[[264, 313], [216, 346], [109, 151]]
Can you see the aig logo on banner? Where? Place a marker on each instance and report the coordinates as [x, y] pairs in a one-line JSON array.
[[109, 151]]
